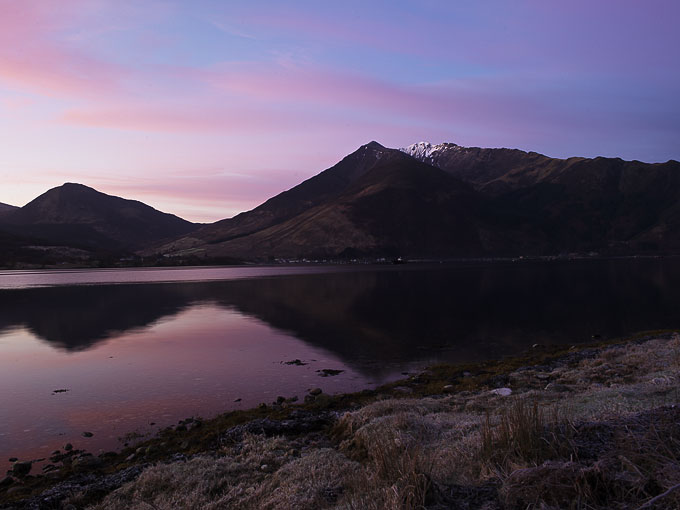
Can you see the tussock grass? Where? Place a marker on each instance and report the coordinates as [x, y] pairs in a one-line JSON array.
[[525, 434]]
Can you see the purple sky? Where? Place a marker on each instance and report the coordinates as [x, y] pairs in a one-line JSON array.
[[207, 108]]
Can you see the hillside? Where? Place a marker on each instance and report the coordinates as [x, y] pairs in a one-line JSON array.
[[574, 204], [78, 216], [453, 201], [5, 208], [376, 201]]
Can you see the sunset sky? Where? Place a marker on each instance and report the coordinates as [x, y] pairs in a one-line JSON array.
[[207, 108]]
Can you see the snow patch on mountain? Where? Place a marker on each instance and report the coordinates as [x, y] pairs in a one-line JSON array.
[[425, 151]]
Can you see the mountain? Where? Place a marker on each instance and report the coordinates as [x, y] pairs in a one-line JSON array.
[[80, 217], [6, 208], [451, 201], [571, 204], [423, 201], [490, 170], [376, 201]]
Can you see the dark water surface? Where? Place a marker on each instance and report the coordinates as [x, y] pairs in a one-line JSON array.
[[158, 345]]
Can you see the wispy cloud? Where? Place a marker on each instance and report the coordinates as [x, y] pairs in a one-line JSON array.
[[101, 87]]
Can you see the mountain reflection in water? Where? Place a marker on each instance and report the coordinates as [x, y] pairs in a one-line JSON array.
[[131, 354], [393, 315]]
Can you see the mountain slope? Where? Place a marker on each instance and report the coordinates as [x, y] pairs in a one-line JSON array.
[[447, 200], [76, 215], [376, 201], [316, 190], [7, 207], [603, 203], [571, 204], [493, 171]]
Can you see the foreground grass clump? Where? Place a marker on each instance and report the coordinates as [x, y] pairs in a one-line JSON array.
[[259, 474], [587, 429], [524, 434]]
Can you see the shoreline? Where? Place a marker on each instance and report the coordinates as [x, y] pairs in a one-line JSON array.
[[374, 261], [330, 423]]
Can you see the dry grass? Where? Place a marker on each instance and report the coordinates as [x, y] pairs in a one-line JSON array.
[[524, 434], [593, 444], [265, 474], [639, 461]]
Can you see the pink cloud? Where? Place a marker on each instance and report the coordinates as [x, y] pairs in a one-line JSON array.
[[227, 98], [31, 56], [238, 98], [201, 117]]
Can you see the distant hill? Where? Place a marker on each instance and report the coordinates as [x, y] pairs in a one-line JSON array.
[[453, 201], [5, 208], [80, 217]]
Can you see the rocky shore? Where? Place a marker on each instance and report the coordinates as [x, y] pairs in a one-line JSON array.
[[584, 427]]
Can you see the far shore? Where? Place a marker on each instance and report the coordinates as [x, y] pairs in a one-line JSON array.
[[195, 262]]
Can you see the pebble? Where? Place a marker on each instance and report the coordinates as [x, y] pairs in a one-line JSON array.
[[323, 399], [88, 434], [87, 462], [316, 391], [13, 459], [503, 392], [68, 447], [21, 469], [559, 388]]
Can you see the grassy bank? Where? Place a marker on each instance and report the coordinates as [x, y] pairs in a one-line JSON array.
[[584, 428]]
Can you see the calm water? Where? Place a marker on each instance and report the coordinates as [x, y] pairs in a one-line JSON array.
[[158, 345]]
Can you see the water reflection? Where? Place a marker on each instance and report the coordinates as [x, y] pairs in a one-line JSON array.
[[387, 315], [134, 353]]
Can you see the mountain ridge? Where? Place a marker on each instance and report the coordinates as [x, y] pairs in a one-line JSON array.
[[82, 217], [422, 201], [517, 203]]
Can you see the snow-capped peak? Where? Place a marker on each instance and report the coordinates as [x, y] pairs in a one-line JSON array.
[[423, 150], [420, 150]]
